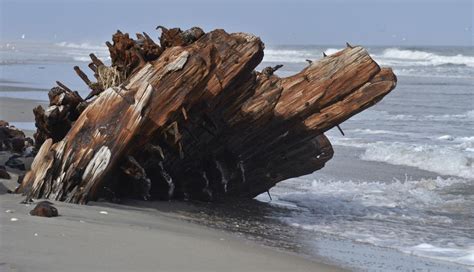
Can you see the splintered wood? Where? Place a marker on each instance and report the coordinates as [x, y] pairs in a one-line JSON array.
[[191, 119]]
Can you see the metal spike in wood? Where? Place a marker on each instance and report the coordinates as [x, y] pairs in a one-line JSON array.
[[269, 195], [82, 75], [148, 37], [63, 86], [95, 60], [340, 130], [92, 67]]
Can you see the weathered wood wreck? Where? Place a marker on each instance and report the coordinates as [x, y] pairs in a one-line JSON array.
[[190, 118]]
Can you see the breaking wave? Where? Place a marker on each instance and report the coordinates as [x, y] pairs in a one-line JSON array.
[[291, 56], [403, 57], [412, 216], [384, 115], [85, 46], [456, 160], [81, 51]]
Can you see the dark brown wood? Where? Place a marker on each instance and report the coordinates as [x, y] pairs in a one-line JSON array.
[[191, 119]]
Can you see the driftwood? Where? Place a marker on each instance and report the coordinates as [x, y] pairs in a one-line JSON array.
[[191, 119]]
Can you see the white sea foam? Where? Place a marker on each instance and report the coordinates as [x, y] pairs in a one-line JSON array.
[[331, 51], [404, 62], [389, 56], [459, 255], [412, 216], [81, 51], [291, 56], [380, 132], [85, 46], [81, 59], [384, 115], [296, 56], [469, 115], [402, 57], [457, 160]]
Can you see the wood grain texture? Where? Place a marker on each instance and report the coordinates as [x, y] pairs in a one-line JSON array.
[[193, 120]]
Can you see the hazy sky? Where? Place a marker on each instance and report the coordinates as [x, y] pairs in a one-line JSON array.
[[369, 22]]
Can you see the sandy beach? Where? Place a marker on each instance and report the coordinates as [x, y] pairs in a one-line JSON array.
[[183, 236], [191, 134], [18, 110], [113, 237], [110, 237]]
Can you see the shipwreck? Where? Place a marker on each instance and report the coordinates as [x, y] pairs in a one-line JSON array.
[[188, 117]]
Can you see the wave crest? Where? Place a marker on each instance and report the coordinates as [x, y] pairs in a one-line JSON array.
[[396, 56]]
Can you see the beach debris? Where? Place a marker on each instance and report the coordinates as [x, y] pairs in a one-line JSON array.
[[268, 71], [3, 173], [64, 108], [269, 195], [20, 178], [103, 212], [13, 219], [13, 139], [44, 209], [165, 112], [9, 211], [16, 162], [340, 130]]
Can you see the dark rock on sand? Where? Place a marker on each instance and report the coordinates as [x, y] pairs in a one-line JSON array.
[[18, 144], [13, 139], [20, 178], [44, 209], [3, 173], [16, 163]]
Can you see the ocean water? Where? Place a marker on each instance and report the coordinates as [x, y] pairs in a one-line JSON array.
[[426, 123], [423, 131]]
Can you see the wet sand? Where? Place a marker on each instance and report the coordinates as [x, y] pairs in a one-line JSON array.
[[112, 237], [182, 236], [108, 237], [18, 110]]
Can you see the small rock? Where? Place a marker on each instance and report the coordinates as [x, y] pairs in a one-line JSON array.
[[103, 212], [36, 234], [15, 162], [45, 209], [20, 179], [3, 173], [18, 144]]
